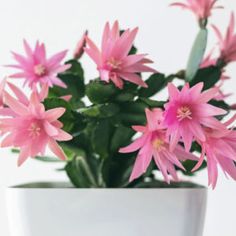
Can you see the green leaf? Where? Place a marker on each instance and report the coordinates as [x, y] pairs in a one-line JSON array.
[[133, 107], [100, 138], [84, 170], [117, 169], [133, 50], [155, 83], [130, 119], [196, 54], [124, 97], [121, 137], [209, 75], [74, 80], [75, 69], [152, 103], [100, 92], [100, 111], [189, 165], [47, 159], [132, 113], [80, 173]]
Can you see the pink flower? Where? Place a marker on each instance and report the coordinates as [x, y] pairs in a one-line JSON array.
[[154, 143], [201, 8], [113, 61], [220, 149], [187, 113], [227, 43], [31, 128], [35, 68], [79, 50]]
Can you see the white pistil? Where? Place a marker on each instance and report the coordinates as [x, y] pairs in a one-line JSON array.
[[184, 112], [40, 70]]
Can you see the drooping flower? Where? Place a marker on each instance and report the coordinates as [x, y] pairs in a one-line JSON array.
[[37, 69], [201, 8], [113, 61], [79, 50], [219, 149], [154, 144], [188, 112], [31, 128], [227, 43]]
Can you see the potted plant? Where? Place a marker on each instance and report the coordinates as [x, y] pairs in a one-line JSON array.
[[114, 135]]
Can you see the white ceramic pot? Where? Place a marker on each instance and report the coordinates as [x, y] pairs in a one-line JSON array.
[[57, 210]]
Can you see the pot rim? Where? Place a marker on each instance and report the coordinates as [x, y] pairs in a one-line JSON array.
[[67, 185]]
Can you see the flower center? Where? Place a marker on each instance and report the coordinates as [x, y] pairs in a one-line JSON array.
[[158, 144], [40, 70], [34, 130], [183, 113], [115, 64]]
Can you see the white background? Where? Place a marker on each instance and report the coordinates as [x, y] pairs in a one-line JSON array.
[[165, 33]]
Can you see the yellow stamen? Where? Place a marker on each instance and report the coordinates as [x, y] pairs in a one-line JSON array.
[[115, 64], [158, 144]]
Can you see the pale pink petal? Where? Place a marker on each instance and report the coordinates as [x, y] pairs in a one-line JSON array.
[[139, 128], [54, 114], [63, 136], [79, 50], [134, 78], [24, 154], [208, 110], [161, 166], [104, 75], [138, 143], [28, 49], [15, 105], [126, 42], [19, 94], [56, 59], [173, 91], [197, 131], [208, 95], [212, 170], [67, 98], [141, 164], [212, 123], [174, 139], [18, 75], [117, 81], [93, 51], [50, 129], [183, 155], [57, 150], [132, 59], [201, 159], [187, 137], [105, 36], [228, 166], [8, 141]]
